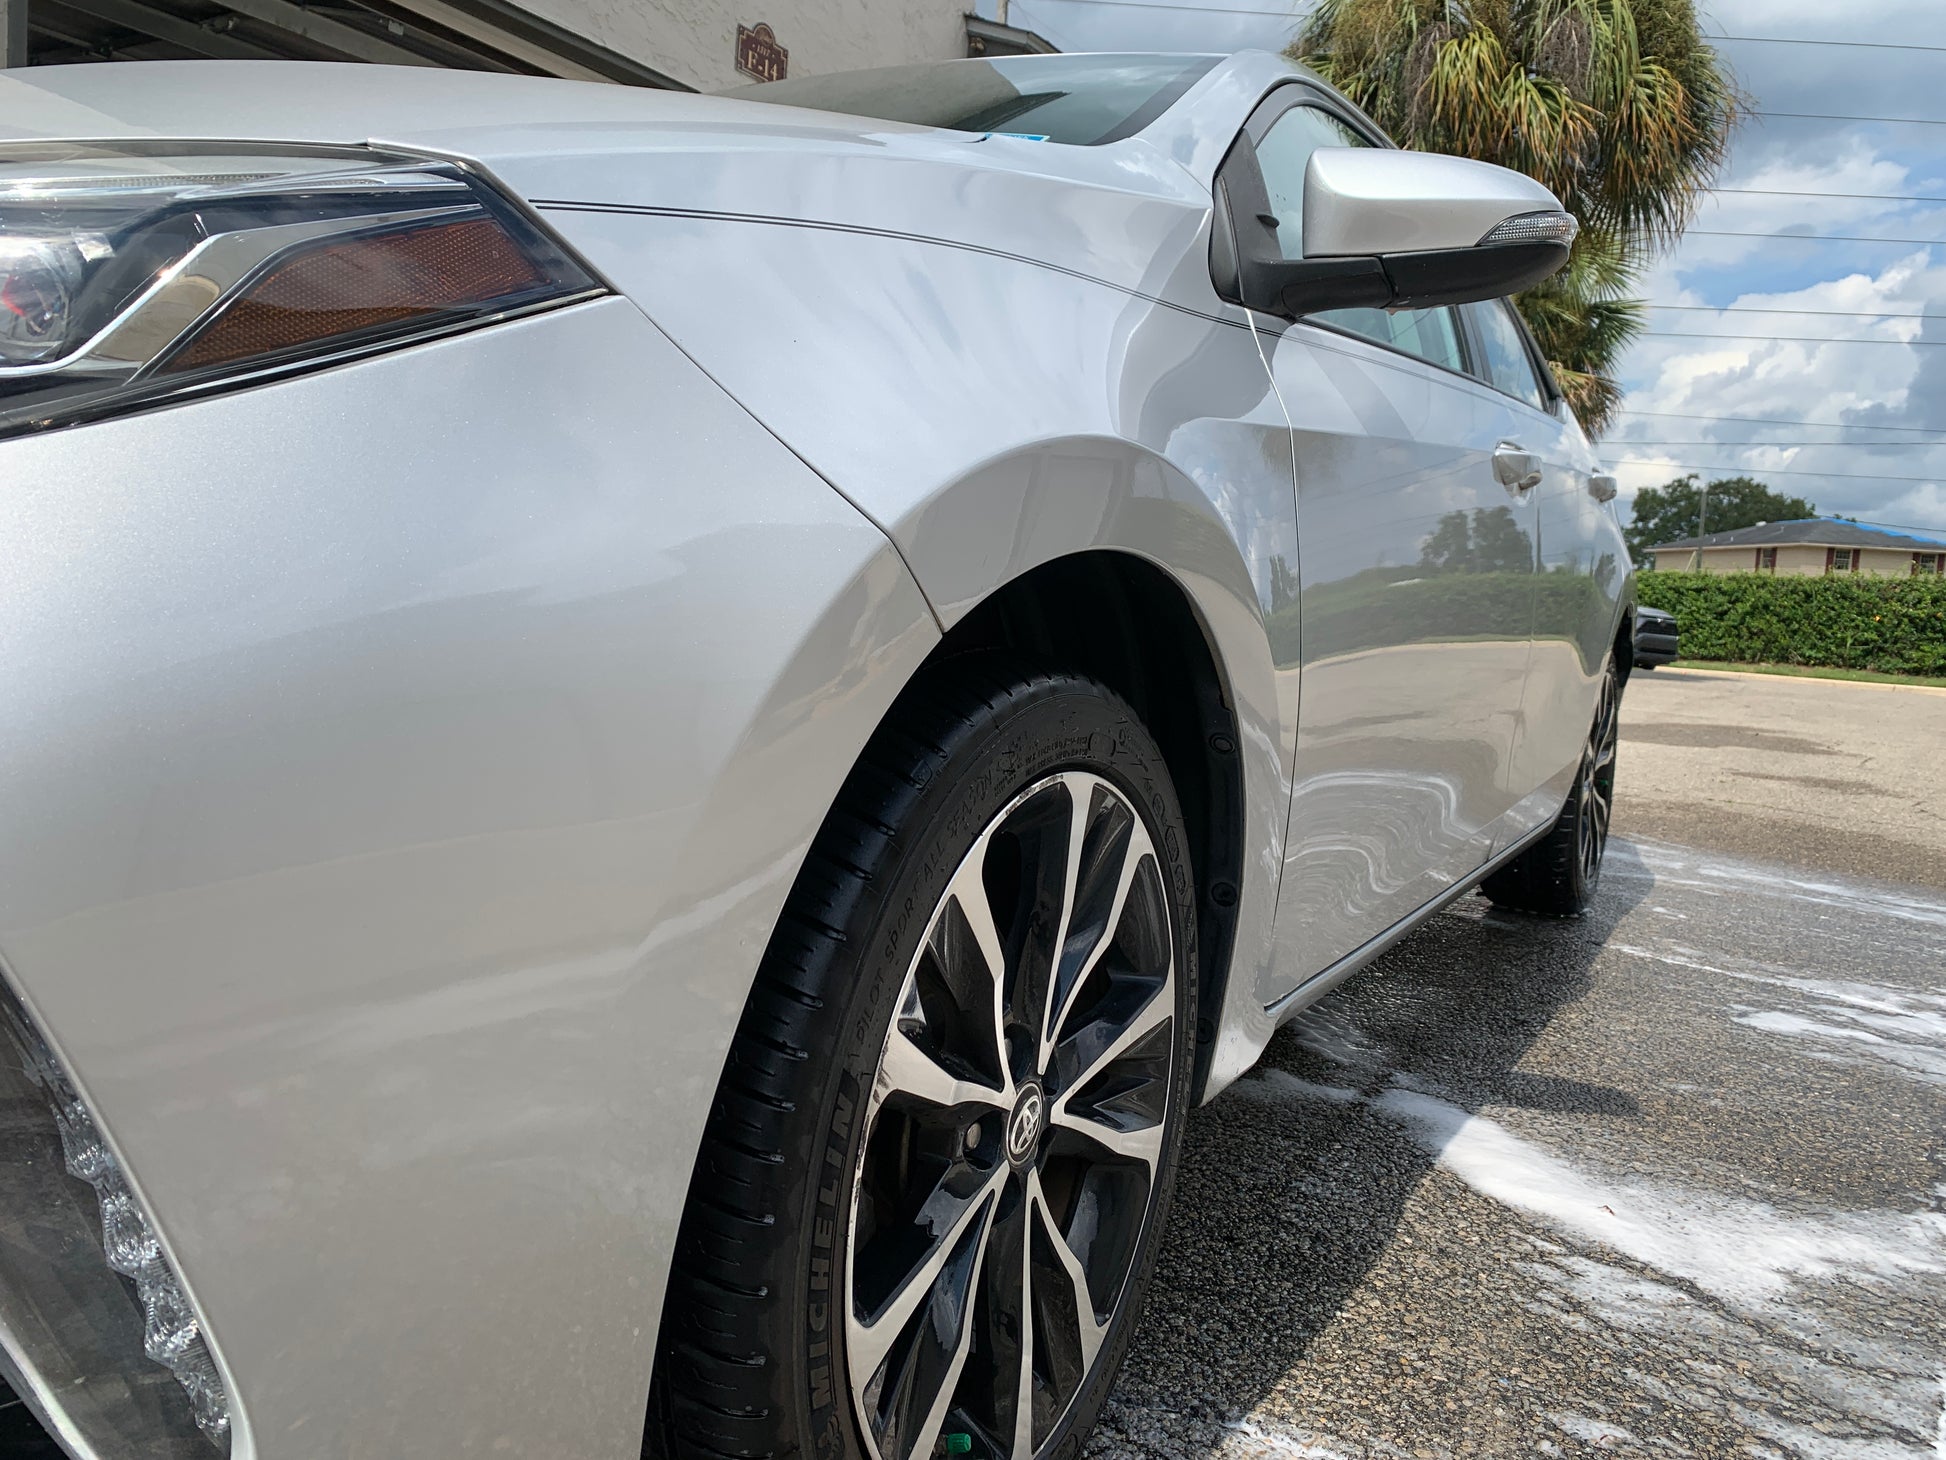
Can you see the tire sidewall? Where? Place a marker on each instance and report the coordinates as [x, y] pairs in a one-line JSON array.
[[1069, 724], [1612, 684]]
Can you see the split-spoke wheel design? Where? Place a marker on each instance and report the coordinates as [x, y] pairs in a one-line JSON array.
[[927, 1204], [1013, 1131], [1595, 787]]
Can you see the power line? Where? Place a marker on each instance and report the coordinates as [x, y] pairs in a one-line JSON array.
[[1895, 526], [1773, 421], [1862, 197], [1291, 16], [1810, 237], [1778, 40], [1779, 471], [1802, 339], [1195, 9], [1761, 40], [1796, 445], [1832, 117], [1759, 309]]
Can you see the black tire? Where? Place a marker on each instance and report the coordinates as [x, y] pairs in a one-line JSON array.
[[1558, 875], [752, 1358]]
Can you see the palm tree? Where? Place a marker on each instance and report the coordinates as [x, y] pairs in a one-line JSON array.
[[1621, 107]]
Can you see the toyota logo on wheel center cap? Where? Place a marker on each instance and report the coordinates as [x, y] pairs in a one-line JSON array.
[[1025, 1125]]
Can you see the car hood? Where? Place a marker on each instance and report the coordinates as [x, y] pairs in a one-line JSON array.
[[1108, 212]]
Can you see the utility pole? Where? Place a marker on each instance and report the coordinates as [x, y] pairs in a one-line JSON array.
[[1702, 525], [13, 33]]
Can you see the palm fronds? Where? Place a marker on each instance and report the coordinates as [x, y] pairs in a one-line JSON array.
[[1620, 107]]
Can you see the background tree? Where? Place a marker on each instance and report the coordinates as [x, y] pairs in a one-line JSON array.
[[1621, 107], [1670, 513], [1490, 541]]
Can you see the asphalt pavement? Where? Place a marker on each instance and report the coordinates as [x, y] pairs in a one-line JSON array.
[[1668, 1180], [1820, 774]]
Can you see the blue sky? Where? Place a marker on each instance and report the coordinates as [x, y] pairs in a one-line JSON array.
[[1878, 451]]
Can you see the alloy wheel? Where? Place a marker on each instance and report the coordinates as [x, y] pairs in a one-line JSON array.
[[1013, 1133], [1596, 786]]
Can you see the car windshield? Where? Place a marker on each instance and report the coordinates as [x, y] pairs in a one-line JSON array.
[[1081, 100]]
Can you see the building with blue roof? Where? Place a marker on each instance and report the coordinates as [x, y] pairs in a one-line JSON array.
[[1808, 547]]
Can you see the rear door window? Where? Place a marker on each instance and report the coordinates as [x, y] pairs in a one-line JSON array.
[[1504, 360]]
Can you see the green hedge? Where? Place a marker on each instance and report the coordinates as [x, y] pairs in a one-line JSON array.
[[1413, 605], [1845, 621]]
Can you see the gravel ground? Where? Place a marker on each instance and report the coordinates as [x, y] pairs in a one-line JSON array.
[[1667, 1180]]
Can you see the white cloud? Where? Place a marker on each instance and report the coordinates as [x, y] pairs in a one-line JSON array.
[[1832, 292], [1790, 380]]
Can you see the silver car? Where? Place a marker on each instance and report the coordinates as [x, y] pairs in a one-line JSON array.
[[651, 744]]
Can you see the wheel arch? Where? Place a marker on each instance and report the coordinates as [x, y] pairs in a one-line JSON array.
[[1123, 620], [1624, 641]]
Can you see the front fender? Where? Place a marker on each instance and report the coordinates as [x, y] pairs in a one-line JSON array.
[[992, 414], [401, 771]]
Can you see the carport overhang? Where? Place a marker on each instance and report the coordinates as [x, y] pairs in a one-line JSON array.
[[478, 35]]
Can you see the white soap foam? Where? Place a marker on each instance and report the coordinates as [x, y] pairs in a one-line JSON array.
[[1675, 867], [1739, 1249], [1905, 1028], [1281, 1087]]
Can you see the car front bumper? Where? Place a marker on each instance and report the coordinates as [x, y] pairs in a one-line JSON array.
[[401, 768]]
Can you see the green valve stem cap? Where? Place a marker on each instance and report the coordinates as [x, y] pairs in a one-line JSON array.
[[959, 1444]]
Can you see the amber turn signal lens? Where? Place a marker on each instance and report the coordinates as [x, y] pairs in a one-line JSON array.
[[349, 286], [136, 277]]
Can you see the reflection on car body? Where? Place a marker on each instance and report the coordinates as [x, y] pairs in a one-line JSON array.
[[654, 742]]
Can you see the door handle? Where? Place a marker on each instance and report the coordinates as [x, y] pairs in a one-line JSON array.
[[1602, 486], [1518, 470]]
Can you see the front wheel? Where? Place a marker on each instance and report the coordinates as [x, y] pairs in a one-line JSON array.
[[1557, 876], [929, 1197]]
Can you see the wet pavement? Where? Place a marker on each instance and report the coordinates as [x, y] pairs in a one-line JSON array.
[[1669, 1180]]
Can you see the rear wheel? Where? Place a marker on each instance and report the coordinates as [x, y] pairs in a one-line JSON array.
[[1557, 876], [928, 1199]]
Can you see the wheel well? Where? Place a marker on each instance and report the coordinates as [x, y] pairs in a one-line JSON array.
[[1625, 644], [1121, 620]]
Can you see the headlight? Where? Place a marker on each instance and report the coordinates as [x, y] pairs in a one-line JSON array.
[[139, 273]]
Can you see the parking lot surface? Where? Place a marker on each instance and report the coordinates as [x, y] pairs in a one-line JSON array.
[[1669, 1180], [1815, 773]]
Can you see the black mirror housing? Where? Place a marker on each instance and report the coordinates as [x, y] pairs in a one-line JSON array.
[[1293, 288]]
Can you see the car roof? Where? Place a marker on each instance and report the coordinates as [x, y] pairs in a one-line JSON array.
[[468, 112]]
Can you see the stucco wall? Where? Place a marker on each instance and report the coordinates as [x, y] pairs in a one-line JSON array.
[[695, 40], [1800, 561], [1793, 560], [1892, 562]]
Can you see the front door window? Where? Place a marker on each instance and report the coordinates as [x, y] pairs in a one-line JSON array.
[[1283, 154]]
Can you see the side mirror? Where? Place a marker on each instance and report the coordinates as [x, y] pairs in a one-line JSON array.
[[1410, 230]]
